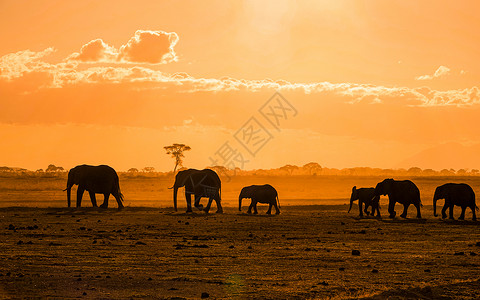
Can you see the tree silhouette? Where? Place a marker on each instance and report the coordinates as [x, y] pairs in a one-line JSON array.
[[148, 169], [312, 168], [176, 151], [289, 169], [414, 171], [53, 168]]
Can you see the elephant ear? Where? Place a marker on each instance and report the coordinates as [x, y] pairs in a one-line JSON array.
[[185, 175], [354, 189], [73, 173]]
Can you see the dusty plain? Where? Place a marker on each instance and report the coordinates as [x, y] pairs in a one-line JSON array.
[[149, 251]]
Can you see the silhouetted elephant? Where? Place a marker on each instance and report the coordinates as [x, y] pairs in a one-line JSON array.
[[365, 196], [259, 194], [401, 191], [201, 183], [459, 194], [95, 180]]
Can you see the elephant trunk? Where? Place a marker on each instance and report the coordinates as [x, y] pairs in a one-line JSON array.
[[69, 191], [351, 203], [435, 206], [240, 197], [175, 190]]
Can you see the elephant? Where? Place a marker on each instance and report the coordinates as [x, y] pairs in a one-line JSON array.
[[95, 180], [200, 183], [459, 194], [401, 191], [365, 196], [260, 194]]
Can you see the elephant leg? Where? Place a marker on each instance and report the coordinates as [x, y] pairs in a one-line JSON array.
[[374, 209], [450, 212], [391, 209], [188, 197], [255, 208], [462, 215], [444, 209], [360, 204], [207, 209], [119, 202], [474, 217], [250, 208], [365, 210], [405, 209], [79, 196], [269, 211], [93, 199], [419, 214], [105, 200], [277, 211], [219, 204], [377, 207], [197, 203]]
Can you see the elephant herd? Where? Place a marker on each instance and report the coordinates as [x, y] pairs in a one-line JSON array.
[[206, 183], [406, 193], [199, 183]]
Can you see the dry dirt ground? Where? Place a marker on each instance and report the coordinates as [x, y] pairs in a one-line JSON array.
[[304, 253]]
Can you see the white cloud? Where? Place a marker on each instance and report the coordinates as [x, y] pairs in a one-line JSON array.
[[442, 71], [146, 46], [95, 51], [16, 66]]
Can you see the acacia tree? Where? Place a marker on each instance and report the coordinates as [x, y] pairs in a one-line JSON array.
[[176, 151]]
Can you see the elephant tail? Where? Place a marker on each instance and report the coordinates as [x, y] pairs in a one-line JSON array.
[[116, 189], [278, 201], [419, 199]]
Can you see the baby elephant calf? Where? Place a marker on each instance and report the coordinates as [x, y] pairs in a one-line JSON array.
[[259, 194], [365, 196]]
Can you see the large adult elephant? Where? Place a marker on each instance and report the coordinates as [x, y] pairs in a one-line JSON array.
[[259, 194], [95, 180], [365, 196], [200, 183], [401, 191], [459, 194]]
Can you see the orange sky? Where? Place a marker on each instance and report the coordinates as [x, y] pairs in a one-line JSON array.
[[373, 83]]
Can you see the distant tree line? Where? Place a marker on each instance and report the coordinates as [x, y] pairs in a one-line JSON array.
[[315, 169], [310, 169]]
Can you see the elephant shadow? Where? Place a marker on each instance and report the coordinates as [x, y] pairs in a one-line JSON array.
[[399, 220], [189, 214], [460, 222], [256, 215], [370, 217], [81, 211]]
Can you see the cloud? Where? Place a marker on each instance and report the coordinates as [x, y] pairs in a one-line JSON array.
[[15, 65], [442, 71], [146, 46], [28, 69], [152, 47], [95, 51]]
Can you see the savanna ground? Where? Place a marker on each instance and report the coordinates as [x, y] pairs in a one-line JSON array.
[[149, 251]]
